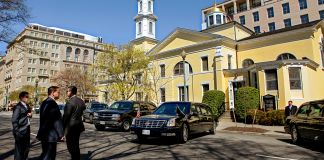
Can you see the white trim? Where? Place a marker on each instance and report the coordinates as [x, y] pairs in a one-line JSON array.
[[205, 82]]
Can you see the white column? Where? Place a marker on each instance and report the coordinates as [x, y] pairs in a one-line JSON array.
[[248, 4], [235, 7]]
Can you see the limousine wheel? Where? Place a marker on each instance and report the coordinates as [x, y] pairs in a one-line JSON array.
[[184, 134], [295, 135], [126, 125]]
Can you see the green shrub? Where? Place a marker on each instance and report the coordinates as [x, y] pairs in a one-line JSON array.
[[270, 118], [246, 98], [216, 100]]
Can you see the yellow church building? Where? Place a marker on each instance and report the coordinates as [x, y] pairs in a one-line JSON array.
[[285, 64]]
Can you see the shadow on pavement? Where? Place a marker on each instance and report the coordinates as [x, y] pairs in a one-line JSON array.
[[165, 141], [311, 145]]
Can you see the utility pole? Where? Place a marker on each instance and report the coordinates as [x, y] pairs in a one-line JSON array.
[[183, 54]]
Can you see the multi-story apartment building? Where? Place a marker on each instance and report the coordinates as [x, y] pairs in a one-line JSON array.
[[264, 15], [39, 52]]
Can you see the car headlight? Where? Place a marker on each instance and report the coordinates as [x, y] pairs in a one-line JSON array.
[[171, 122], [115, 115], [133, 122], [95, 114]]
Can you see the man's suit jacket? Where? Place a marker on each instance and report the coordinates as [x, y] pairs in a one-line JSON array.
[[292, 111], [20, 120], [50, 126], [72, 119]]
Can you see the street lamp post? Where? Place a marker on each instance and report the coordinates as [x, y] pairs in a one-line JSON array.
[[36, 92], [6, 101], [183, 55]]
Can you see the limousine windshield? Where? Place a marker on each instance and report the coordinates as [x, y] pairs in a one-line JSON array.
[[171, 108]]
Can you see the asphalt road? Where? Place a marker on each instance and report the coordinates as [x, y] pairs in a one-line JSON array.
[[113, 144]]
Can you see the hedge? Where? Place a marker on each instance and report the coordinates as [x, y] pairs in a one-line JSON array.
[[216, 100], [270, 118], [247, 98]]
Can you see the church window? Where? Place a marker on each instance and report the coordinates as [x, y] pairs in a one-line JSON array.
[[211, 20], [218, 19], [286, 56], [139, 27], [150, 6], [151, 27], [141, 6]]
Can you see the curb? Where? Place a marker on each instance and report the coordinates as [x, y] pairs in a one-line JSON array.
[[255, 133]]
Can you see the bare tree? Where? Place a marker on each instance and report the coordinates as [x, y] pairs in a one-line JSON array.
[[12, 12], [75, 77], [156, 80]]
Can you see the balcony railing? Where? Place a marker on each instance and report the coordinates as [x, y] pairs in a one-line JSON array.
[[255, 4]]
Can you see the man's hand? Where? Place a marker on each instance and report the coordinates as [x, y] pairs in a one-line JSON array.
[[62, 139], [29, 115]]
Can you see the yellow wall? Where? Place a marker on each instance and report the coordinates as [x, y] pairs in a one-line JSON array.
[[232, 32]]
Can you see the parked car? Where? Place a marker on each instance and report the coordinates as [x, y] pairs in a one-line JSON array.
[[175, 119], [307, 123], [36, 109], [91, 108], [121, 113]]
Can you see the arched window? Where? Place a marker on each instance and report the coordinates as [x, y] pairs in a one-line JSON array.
[[77, 55], [150, 6], [85, 56], [68, 53], [178, 68], [247, 63], [218, 19], [286, 56], [151, 27], [141, 6], [139, 27]]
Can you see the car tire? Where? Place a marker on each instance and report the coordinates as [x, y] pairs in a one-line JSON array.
[[91, 119], [184, 134], [126, 125], [295, 136], [100, 127], [213, 129]]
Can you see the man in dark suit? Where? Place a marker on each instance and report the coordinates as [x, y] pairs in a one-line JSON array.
[[290, 109], [50, 126], [72, 122], [21, 127]]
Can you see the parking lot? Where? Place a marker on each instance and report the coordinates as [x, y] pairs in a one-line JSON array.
[[114, 144]]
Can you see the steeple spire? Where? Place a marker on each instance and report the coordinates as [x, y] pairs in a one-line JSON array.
[[145, 19]]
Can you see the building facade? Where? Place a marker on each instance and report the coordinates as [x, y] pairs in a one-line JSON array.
[[40, 52], [285, 64], [265, 15]]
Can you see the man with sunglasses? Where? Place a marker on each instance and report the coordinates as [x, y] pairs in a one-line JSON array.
[[21, 127]]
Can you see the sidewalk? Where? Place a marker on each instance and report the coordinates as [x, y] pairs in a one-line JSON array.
[[272, 130]]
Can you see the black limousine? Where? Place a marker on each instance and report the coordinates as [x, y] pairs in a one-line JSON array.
[[307, 123], [175, 119]]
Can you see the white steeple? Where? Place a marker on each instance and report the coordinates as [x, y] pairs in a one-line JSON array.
[[145, 19]]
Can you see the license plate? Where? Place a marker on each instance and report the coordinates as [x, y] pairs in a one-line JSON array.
[[146, 132], [102, 122]]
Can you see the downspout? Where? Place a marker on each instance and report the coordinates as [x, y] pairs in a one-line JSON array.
[[235, 38]]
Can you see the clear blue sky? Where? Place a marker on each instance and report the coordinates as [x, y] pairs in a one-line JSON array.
[[113, 19]]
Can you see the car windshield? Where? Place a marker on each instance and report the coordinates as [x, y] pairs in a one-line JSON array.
[[171, 108], [99, 106], [121, 106]]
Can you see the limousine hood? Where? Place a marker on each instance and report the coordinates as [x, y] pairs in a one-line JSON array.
[[160, 116], [112, 111]]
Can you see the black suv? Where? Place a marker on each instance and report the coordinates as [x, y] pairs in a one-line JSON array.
[[308, 123], [175, 119], [91, 108], [121, 113]]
